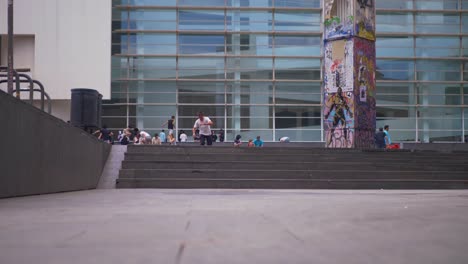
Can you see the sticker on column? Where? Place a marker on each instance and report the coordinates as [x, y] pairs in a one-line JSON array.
[[363, 93]]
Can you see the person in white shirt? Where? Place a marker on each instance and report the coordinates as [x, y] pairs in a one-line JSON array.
[[203, 124], [183, 136], [145, 138]]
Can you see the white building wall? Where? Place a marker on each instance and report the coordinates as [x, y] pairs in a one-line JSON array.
[[72, 42]]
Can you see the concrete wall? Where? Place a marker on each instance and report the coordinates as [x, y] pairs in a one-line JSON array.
[[42, 154], [71, 43]]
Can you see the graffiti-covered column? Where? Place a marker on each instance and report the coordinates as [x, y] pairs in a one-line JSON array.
[[349, 73]]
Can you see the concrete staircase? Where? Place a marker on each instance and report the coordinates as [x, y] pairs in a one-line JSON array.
[[290, 168]]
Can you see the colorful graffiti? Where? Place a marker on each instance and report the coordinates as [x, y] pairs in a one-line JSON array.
[[365, 19], [336, 28], [349, 73], [365, 107], [339, 119], [339, 66]]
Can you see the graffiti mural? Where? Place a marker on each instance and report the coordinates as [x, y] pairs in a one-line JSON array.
[[336, 28], [339, 66], [365, 107], [339, 119], [365, 19]]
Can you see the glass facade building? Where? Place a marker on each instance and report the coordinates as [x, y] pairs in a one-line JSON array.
[[254, 67]]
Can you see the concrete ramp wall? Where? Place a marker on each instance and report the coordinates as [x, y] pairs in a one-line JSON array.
[[41, 154]]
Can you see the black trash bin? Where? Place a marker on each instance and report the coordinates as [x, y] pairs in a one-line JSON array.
[[85, 109]]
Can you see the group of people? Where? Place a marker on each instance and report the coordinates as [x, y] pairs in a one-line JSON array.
[[383, 139], [201, 132]]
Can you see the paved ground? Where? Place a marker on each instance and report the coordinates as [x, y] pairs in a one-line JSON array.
[[223, 227]]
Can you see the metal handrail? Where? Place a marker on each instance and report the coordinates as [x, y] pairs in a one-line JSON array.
[[31, 89]]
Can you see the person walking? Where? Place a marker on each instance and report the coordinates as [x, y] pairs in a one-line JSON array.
[[203, 123], [170, 125], [258, 142], [162, 136], [380, 139]]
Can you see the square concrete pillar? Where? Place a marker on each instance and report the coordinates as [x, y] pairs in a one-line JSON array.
[[349, 73]]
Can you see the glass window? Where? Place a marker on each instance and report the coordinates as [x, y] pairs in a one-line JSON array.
[[437, 23], [249, 110], [465, 23], [114, 122], [287, 117], [201, 20], [297, 45], [439, 118], [439, 94], [201, 44], [201, 98], [201, 63], [297, 88], [110, 109], [438, 70], [209, 110], [297, 21], [395, 99], [249, 3], [298, 3], [152, 2], [299, 135], [202, 3], [201, 87], [436, 4], [437, 47], [465, 95], [249, 44], [395, 46], [394, 22], [395, 69], [249, 63], [395, 4], [244, 20], [152, 98], [151, 86], [251, 88], [250, 123]]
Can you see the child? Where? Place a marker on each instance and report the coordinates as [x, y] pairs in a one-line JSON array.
[[250, 144], [237, 141], [172, 140]]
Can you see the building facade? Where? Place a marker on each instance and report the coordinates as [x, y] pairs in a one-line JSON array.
[[255, 67], [65, 44]]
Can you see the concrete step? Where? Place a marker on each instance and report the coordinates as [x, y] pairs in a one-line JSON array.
[[183, 183], [226, 149], [280, 165], [277, 150], [315, 157], [289, 174]]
